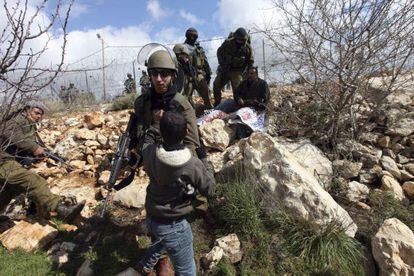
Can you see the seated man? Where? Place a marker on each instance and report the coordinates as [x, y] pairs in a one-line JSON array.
[[175, 176], [18, 142], [252, 92]]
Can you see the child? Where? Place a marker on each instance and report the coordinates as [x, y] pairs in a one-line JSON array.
[[175, 175]]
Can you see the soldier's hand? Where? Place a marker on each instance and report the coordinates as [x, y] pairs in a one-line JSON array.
[[39, 151]]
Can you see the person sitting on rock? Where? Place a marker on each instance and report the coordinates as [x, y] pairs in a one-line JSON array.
[[175, 176], [252, 92], [18, 141]]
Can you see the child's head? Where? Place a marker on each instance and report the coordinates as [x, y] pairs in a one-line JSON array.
[[173, 127]]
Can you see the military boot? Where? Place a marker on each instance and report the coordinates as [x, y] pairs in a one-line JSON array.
[[164, 267], [67, 212]]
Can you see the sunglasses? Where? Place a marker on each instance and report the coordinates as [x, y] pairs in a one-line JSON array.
[[162, 72]]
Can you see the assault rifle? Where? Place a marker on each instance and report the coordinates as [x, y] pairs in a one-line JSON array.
[[122, 153], [58, 159]]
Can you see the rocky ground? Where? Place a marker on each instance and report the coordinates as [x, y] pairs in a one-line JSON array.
[[291, 174]]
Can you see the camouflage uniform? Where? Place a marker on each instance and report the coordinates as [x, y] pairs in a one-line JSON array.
[[233, 61], [200, 62], [129, 84], [145, 82], [18, 139]]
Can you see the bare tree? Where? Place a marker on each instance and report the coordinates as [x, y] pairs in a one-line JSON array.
[[24, 39], [337, 47]]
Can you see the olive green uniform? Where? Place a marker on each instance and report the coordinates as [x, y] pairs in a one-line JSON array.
[[18, 138], [130, 87], [200, 62], [233, 61], [144, 111]]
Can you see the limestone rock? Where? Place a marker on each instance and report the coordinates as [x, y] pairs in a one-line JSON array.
[[28, 236], [408, 188], [216, 134], [389, 165], [357, 191], [311, 158], [346, 168], [132, 195], [393, 248], [212, 258], [406, 176], [231, 247], [403, 126], [78, 164], [409, 167], [384, 141], [389, 183], [102, 139], [287, 183], [85, 134], [104, 177], [71, 122], [94, 120], [65, 145]]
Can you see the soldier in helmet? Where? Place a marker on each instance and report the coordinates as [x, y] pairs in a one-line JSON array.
[[144, 82], [129, 84], [235, 55], [18, 143], [187, 74], [150, 107], [200, 62], [163, 96]]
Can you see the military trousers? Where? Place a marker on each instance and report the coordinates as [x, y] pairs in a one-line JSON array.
[[204, 91], [16, 180], [235, 78]]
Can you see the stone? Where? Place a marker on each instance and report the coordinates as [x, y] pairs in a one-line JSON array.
[[212, 258], [406, 176], [90, 160], [132, 195], [92, 144], [93, 120], [408, 188], [231, 247], [367, 155], [128, 272], [216, 134], [102, 139], [28, 236], [346, 168], [85, 134], [311, 158], [393, 248], [290, 186], [403, 126], [363, 205], [78, 164], [402, 159], [357, 191], [389, 165], [104, 177], [72, 122], [384, 141], [409, 167], [85, 269], [65, 145], [389, 183]]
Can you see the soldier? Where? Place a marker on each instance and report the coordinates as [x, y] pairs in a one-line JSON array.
[[144, 82], [234, 56], [200, 62], [18, 141], [63, 94], [129, 84], [187, 74], [252, 92], [72, 92], [163, 96]]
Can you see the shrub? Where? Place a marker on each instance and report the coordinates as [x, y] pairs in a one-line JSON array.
[[124, 102]]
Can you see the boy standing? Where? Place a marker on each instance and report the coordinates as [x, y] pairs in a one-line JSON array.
[[175, 175]]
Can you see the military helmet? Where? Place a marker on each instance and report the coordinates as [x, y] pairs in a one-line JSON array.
[[191, 31], [181, 49], [161, 59], [37, 104], [129, 75], [241, 33]]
